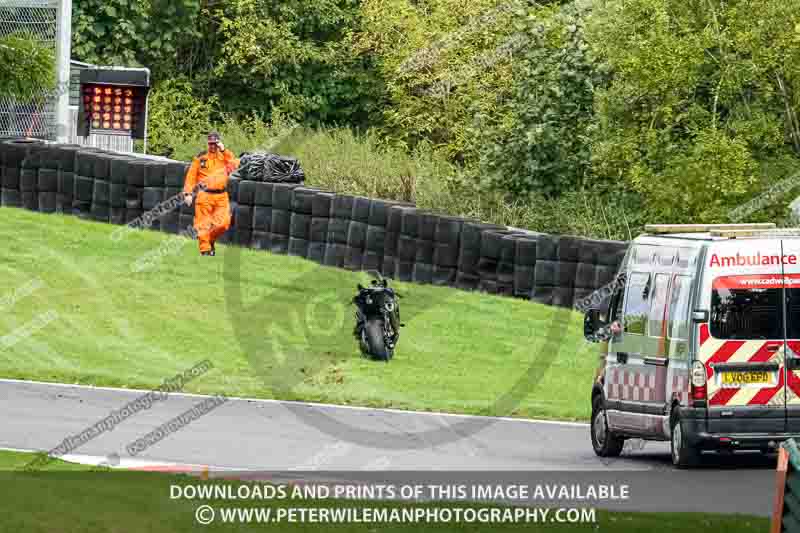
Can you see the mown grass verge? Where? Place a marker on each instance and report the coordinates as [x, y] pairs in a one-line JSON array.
[[76, 311]]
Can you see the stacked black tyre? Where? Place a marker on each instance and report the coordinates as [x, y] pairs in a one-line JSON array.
[[300, 222], [468, 276], [47, 179], [447, 238], [357, 234], [525, 265], [281, 223], [425, 247], [12, 154], [174, 174], [154, 192], [118, 188], [66, 178], [263, 194], [546, 269], [394, 225], [559, 260], [338, 230], [321, 206], [375, 244], [29, 175], [598, 264], [496, 248], [134, 191], [407, 244], [83, 193], [243, 208], [101, 188]]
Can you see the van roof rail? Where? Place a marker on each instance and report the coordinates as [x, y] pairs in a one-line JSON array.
[[705, 228], [732, 234]]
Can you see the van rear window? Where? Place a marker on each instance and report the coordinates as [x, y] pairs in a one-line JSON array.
[[749, 306], [746, 313]]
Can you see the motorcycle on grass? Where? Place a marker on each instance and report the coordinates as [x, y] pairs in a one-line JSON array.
[[377, 319]]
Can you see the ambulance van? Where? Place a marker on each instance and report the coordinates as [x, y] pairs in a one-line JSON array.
[[701, 339]]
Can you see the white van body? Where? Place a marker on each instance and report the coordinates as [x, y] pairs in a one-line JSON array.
[[707, 353]]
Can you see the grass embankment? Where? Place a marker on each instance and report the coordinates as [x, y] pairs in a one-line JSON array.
[[94, 320], [72, 498]]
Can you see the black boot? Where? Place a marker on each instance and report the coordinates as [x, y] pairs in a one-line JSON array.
[[213, 251]]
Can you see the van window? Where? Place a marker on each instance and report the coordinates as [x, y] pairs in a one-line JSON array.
[[636, 303], [750, 307], [658, 306], [746, 314], [679, 308], [643, 255]]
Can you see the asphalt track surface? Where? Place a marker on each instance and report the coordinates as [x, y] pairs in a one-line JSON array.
[[274, 436]]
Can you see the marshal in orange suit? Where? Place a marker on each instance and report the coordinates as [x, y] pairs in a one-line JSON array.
[[208, 175]]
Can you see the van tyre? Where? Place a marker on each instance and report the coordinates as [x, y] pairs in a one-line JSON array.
[[604, 441], [684, 455]]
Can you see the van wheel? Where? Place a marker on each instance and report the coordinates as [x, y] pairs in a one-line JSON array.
[[683, 454], [605, 442]]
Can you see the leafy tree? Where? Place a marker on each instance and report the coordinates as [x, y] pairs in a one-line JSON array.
[[294, 56], [158, 34], [26, 66], [542, 145], [442, 62], [703, 99]]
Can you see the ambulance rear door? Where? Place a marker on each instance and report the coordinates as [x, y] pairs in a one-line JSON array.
[[791, 249], [741, 344]]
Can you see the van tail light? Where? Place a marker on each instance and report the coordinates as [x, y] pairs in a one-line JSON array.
[[699, 392]]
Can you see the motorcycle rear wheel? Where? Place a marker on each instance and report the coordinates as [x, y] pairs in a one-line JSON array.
[[373, 335]]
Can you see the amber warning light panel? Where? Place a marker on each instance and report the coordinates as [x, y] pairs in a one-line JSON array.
[[114, 101]]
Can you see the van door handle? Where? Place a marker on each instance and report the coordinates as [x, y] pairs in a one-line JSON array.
[[622, 357], [793, 363], [658, 361]]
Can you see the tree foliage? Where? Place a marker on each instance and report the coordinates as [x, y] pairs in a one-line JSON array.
[[703, 98], [157, 34], [442, 61], [294, 56], [542, 146], [26, 66], [685, 107]]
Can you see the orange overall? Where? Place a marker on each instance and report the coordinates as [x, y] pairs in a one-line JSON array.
[[212, 215]]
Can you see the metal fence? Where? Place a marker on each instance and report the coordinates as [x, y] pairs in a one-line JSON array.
[[35, 115]]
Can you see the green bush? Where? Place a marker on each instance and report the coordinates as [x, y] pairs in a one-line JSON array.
[[177, 116]]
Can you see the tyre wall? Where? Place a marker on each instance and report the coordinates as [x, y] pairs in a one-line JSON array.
[[353, 232]]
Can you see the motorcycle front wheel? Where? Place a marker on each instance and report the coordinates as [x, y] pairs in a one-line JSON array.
[[373, 335]]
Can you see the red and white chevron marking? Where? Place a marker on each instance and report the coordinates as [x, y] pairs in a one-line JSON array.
[[714, 351]]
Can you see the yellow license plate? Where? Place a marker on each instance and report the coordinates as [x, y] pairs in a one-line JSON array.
[[744, 378]]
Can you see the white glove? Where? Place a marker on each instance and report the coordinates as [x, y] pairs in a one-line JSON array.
[[187, 198], [220, 147]]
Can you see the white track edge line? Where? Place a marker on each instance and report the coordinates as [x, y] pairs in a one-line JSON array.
[[310, 404]]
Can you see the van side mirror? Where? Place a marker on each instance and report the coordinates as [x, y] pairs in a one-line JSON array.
[[699, 316], [591, 323]]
